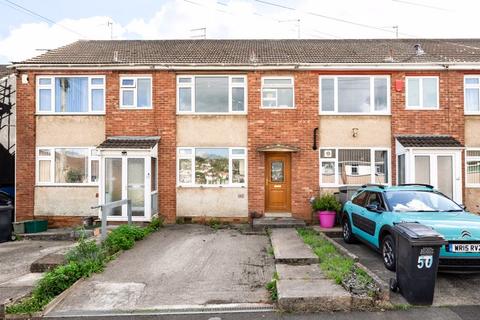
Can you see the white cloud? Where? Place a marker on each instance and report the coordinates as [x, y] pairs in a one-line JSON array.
[[250, 19]]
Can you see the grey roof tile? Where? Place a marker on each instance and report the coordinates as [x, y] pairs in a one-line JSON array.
[[249, 52], [130, 142], [428, 141]]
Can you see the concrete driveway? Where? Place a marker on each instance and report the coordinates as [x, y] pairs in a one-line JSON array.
[[450, 290], [15, 260], [179, 267]]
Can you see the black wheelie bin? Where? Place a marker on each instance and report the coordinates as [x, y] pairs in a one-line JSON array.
[[417, 254], [6, 223]]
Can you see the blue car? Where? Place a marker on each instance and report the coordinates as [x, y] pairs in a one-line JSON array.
[[374, 210]]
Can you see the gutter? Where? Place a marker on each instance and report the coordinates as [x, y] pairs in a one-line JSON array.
[[322, 66]]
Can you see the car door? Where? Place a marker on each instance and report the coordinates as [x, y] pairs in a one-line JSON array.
[[372, 217], [358, 213]]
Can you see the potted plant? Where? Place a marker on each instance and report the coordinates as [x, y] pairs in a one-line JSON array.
[[327, 207]]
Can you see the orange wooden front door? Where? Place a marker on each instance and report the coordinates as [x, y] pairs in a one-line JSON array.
[[277, 182]]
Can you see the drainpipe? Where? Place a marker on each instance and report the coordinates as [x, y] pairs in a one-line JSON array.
[[315, 132]]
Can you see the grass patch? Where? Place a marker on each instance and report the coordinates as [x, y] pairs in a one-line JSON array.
[[82, 261], [338, 267], [270, 251], [272, 287], [214, 223]]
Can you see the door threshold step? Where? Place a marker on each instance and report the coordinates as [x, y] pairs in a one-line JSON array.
[[277, 222]]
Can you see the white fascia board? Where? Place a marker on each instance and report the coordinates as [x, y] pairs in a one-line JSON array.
[[323, 66]]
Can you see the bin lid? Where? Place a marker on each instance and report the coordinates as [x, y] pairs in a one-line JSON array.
[[419, 233]]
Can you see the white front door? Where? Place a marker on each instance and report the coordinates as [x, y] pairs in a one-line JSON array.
[[127, 177], [439, 168]]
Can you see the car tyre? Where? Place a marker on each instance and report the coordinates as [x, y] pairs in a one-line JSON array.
[[388, 252], [348, 236]]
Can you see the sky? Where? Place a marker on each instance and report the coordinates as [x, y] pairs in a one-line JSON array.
[[23, 34]]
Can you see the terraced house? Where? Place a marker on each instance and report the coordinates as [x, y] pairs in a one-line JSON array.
[[223, 128]]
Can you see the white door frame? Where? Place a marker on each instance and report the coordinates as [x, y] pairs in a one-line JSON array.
[[146, 155], [456, 155]]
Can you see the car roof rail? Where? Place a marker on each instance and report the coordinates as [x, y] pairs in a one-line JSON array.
[[381, 186], [416, 184]]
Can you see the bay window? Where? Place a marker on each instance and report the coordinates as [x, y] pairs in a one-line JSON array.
[[277, 92], [342, 166], [211, 166], [472, 94], [70, 94], [354, 94], [67, 166], [211, 94], [135, 92], [472, 168], [422, 93]]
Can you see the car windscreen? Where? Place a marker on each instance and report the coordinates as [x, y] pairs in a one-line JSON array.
[[419, 201]]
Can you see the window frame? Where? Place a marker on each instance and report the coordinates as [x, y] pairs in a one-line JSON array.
[[134, 87], [472, 158], [470, 86], [231, 85], [373, 169], [275, 88], [372, 95], [92, 155], [52, 78], [231, 157], [421, 107]]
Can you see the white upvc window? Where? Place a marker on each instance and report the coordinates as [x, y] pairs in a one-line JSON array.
[[136, 92], [354, 166], [211, 167], [278, 92], [354, 94], [472, 94], [422, 93], [212, 94], [472, 167], [67, 166], [70, 94]]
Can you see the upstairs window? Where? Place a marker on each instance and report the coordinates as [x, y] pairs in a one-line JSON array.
[[135, 92], [472, 94], [277, 92], [422, 93], [70, 95], [211, 94], [355, 94]]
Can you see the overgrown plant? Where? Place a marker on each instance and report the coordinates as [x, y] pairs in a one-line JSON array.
[[338, 267], [86, 258], [272, 287], [326, 202]]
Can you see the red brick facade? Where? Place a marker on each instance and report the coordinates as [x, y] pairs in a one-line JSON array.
[[265, 126], [291, 127]]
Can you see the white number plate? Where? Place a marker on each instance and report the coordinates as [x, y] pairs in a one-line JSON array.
[[465, 247]]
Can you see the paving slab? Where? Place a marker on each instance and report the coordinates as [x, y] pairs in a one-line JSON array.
[[289, 248], [299, 272], [179, 266], [312, 296]]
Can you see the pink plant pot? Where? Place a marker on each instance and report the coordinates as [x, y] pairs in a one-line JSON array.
[[327, 219]]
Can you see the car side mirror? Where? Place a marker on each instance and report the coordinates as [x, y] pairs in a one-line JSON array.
[[374, 208], [464, 207]]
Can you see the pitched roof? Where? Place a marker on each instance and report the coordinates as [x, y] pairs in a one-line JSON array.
[[254, 52], [428, 141], [4, 71], [130, 142]]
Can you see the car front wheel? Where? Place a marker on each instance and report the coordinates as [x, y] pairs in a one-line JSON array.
[[348, 236], [388, 252]]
